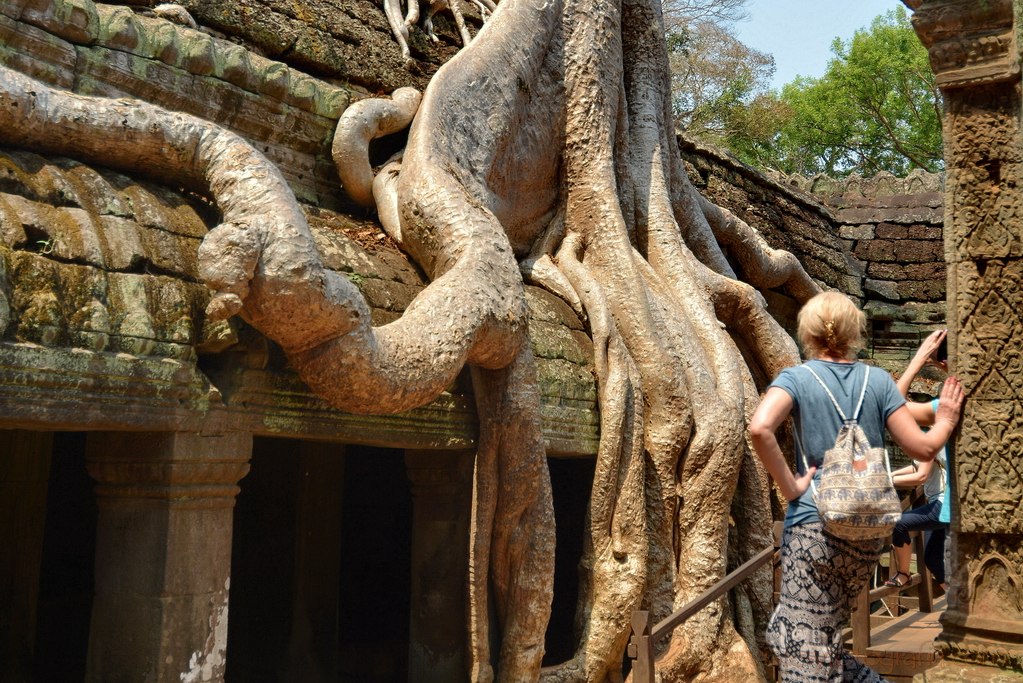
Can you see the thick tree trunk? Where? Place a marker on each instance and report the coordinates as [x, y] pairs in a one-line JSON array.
[[548, 141]]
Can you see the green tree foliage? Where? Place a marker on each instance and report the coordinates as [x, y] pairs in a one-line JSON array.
[[876, 108]]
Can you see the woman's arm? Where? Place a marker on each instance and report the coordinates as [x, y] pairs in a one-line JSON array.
[[919, 360], [923, 446], [912, 476], [923, 413], [772, 411]]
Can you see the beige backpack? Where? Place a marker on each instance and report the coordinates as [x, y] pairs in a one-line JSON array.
[[855, 499]]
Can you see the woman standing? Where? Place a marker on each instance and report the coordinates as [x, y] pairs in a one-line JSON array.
[[821, 573], [932, 475]]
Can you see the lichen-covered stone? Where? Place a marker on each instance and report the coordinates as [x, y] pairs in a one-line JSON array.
[[350, 41]]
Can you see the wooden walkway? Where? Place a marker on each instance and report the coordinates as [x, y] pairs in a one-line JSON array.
[[904, 646]]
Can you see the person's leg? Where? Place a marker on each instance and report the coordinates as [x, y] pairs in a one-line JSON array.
[[795, 632], [918, 519], [934, 554], [901, 548], [855, 562], [901, 576], [821, 575]]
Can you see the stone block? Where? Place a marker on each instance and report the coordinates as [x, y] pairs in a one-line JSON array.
[[881, 288], [562, 379], [31, 176], [121, 243], [987, 474], [74, 20], [37, 53], [546, 307], [355, 44], [341, 253], [255, 116], [916, 214], [11, 231], [922, 290], [927, 232], [387, 294], [856, 232], [35, 306], [95, 192], [554, 341], [170, 253], [903, 250], [907, 271]]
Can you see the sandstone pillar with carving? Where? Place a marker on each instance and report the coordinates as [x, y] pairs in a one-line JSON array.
[[441, 487], [163, 554], [975, 56]]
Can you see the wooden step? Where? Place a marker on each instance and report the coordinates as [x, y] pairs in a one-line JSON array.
[[904, 646]]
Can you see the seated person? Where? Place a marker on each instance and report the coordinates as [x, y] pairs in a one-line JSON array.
[[926, 517]]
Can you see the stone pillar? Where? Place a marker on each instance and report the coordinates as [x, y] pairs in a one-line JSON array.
[[24, 475], [974, 54], [441, 487], [163, 554]]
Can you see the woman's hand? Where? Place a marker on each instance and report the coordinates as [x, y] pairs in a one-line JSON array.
[[950, 402], [802, 483], [928, 346], [923, 355]]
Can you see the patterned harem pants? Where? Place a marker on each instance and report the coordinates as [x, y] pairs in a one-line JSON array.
[[821, 575]]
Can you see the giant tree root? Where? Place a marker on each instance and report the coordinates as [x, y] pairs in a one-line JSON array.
[[548, 139]]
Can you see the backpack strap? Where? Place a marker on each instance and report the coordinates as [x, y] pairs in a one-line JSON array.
[[834, 402]]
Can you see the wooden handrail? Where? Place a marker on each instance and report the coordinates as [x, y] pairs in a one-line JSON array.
[[641, 645], [668, 624]]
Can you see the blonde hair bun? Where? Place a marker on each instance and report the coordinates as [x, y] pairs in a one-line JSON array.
[[831, 324]]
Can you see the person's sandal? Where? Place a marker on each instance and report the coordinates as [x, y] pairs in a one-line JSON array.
[[894, 581]]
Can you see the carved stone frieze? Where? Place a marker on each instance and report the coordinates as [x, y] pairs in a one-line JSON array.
[[987, 308], [975, 57], [984, 619], [985, 209], [970, 43], [989, 473]]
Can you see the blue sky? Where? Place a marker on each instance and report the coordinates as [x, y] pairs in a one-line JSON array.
[[798, 33]]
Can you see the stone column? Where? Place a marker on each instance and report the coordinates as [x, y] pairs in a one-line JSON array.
[[163, 554], [974, 54], [441, 487], [24, 476]]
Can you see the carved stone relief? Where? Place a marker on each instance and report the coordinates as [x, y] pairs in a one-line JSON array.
[[984, 620]]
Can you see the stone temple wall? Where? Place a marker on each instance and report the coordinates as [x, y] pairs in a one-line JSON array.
[[850, 238], [877, 239], [893, 227], [98, 270], [788, 219]]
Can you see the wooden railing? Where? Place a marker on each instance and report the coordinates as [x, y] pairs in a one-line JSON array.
[[922, 577], [644, 638], [641, 646]]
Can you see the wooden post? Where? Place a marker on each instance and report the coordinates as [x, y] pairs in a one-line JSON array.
[[861, 622], [641, 649], [926, 590]]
